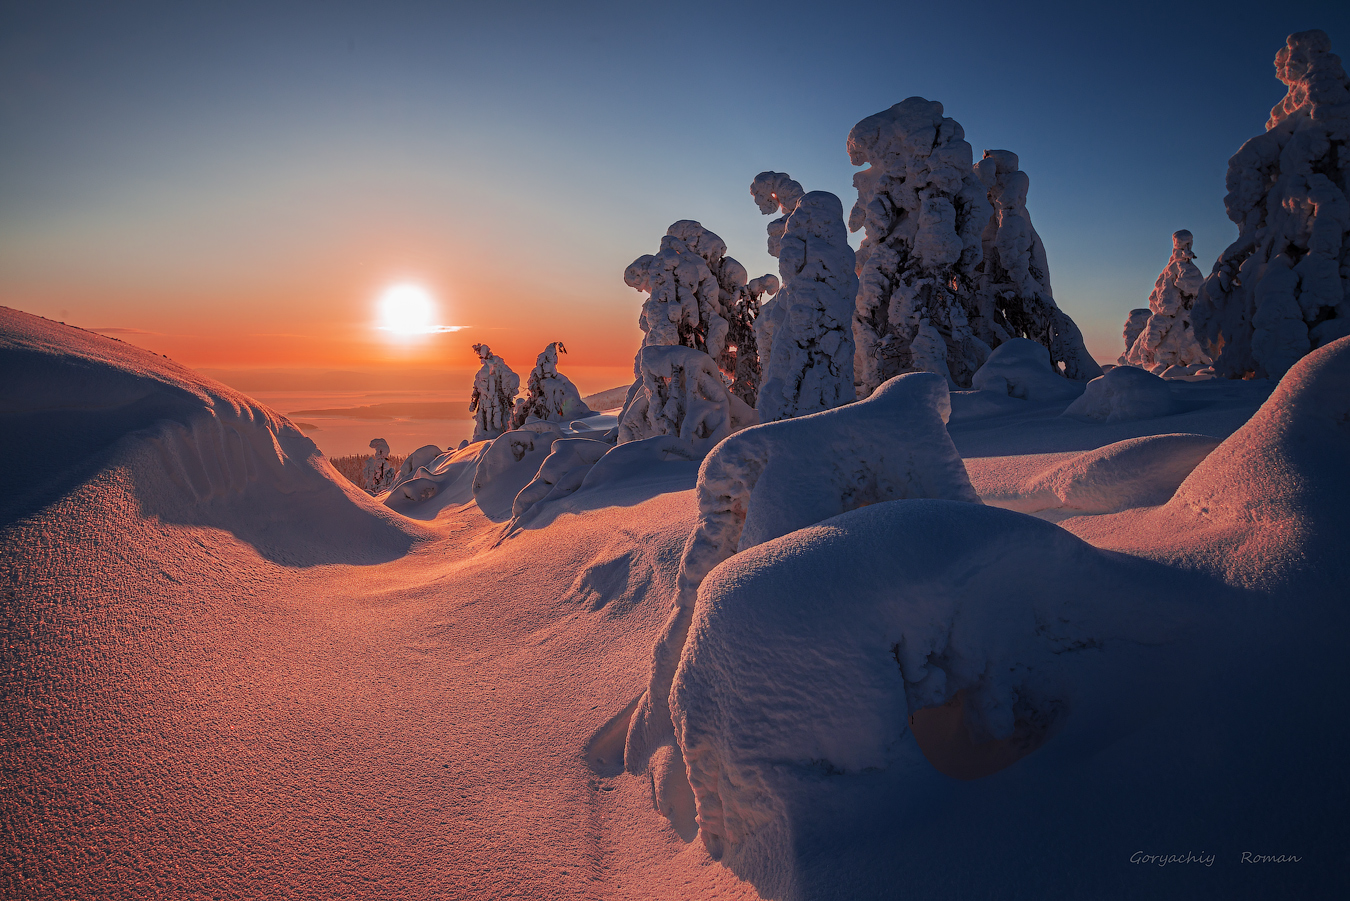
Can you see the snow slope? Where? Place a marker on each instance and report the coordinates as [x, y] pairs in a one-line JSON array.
[[228, 674]]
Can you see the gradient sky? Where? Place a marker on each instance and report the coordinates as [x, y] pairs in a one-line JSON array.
[[233, 184]]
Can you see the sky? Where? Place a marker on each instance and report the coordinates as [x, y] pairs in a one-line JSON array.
[[234, 185]]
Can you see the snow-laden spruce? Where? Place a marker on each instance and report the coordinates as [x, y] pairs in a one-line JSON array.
[[924, 210], [680, 392], [808, 352], [742, 338], [684, 305], [776, 192], [1013, 296], [1166, 338], [1283, 287], [550, 395], [379, 472], [773, 479], [493, 402], [1134, 326]]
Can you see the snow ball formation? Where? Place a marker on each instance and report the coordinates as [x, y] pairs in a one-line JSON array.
[[779, 477], [776, 192], [1019, 367], [1165, 338], [808, 347], [493, 402], [1122, 394], [1283, 287], [550, 395]]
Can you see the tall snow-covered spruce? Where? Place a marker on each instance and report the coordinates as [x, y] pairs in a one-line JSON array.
[[550, 396], [1013, 296], [493, 402], [950, 266], [1283, 287], [924, 211], [692, 285], [808, 327], [1165, 338]]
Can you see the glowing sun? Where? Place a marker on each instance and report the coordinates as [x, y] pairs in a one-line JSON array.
[[407, 310]]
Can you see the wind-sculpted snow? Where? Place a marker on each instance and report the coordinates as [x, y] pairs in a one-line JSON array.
[[808, 655], [809, 345], [561, 473], [438, 483], [1020, 367], [550, 395], [1012, 296], [780, 477], [924, 211], [188, 450], [1281, 289], [509, 464], [379, 473], [776, 192], [494, 395], [680, 392], [1124, 393], [1136, 472], [1165, 338], [413, 462]]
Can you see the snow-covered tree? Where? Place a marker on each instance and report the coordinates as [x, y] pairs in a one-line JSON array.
[[1283, 287], [1134, 324], [684, 304], [1012, 295], [550, 395], [742, 343], [494, 395], [776, 192], [680, 392], [1166, 338], [809, 325], [378, 473], [924, 210]]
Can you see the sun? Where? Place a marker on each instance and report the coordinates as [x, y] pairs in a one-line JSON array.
[[407, 309]]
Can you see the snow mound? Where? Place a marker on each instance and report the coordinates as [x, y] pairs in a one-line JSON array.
[[1020, 367], [561, 473], [1283, 474], [779, 477], [1137, 472], [415, 461], [809, 654], [509, 464], [189, 450], [1279, 291], [441, 482], [1123, 394]]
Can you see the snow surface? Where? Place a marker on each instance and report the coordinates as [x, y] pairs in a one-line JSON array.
[[230, 673]]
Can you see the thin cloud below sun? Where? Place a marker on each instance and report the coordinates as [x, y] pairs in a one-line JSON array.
[[408, 309]]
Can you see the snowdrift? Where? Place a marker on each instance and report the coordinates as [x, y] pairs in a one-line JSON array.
[[190, 450]]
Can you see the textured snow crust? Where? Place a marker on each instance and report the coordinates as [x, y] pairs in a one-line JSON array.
[[779, 477], [1283, 287]]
